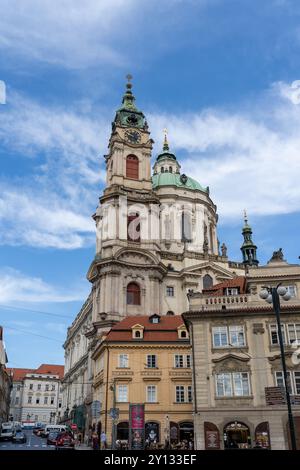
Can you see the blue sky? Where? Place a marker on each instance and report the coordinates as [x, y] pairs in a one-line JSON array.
[[221, 75]]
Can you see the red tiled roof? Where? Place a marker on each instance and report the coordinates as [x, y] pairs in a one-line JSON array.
[[164, 331], [51, 369], [18, 374], [48, 369], [218, 289]]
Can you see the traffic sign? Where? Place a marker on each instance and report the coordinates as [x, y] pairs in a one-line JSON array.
[[114, 413]]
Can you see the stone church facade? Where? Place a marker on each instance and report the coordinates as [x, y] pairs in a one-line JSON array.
[[156, 240]]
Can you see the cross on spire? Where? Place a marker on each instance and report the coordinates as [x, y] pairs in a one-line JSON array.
[[166, 144]]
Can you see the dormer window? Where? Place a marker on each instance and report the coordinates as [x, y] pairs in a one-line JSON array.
[[137, 331], [231, 291], [182, 332], [154, 318]]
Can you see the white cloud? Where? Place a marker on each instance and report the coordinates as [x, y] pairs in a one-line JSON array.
[[52, 205], [18, 287], [249, 157], [65, 32]]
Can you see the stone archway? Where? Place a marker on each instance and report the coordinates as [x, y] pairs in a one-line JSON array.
[[236, 435]]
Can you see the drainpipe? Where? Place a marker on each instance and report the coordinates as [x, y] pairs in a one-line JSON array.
[[106, 392], [191, 328]]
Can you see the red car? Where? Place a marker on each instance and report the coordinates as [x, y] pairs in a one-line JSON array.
[[65, 441]]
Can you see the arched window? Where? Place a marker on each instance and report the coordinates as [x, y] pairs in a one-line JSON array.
[[162, 169], [183, 334], [170, 313], [207, 281], [133, 227], [133, 294], [170, 169], [132, 167], [137, 334]]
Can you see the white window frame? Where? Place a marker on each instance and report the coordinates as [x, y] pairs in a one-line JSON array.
[[237, 330], [178, 365], [226, 381], [180, 394], [272, 328], [151, 393], [294, 388], [225, 334], [123, 361], [231, 291], [122, 396], [188, 361], [296, 332], [149, 359]]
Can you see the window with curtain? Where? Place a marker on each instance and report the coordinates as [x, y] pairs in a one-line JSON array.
[[132, 167], [133, 294]]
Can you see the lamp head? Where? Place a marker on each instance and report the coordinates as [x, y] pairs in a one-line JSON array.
[[286, 296], [269, 299], [264, 294], [281, 290]]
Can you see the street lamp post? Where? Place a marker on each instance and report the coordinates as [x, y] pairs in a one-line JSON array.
[[113, 437], [272, 296]]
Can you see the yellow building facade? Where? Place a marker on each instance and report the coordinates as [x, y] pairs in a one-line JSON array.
[[146, 360]]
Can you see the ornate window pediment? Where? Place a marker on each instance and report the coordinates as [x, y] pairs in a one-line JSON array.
[[230, 363]]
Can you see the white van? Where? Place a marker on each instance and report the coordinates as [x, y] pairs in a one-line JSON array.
[[7, 431], [54, 428]]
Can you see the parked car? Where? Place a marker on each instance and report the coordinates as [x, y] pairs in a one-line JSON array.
[[65, 441], [19, 437], [52, 437]]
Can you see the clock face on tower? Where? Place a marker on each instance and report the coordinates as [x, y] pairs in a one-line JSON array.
[[134, 137]]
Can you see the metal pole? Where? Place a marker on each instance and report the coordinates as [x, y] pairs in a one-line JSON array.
[[276, 306], [113, 444]]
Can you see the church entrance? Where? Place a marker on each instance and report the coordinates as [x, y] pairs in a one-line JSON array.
[[237, 436]]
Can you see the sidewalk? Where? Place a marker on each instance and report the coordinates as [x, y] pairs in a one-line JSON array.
[[83, 447]]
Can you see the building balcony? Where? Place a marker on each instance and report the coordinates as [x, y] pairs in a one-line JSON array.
[[202, 302]]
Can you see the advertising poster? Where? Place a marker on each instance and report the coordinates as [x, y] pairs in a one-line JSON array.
[[136, 426]]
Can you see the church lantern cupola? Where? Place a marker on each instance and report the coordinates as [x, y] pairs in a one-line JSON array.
[[248, 248]]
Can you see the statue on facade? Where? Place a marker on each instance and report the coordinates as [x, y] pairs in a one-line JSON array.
[[224, 250], [277, 255]]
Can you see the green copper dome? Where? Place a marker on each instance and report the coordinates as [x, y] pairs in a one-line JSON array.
[[175, 179]]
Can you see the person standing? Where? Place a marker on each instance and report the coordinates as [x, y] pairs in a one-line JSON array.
[[103, 440]]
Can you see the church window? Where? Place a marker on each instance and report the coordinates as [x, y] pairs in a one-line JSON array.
[[132, 167], [186, 227], [170, 291], [133, 227], [170, 169], [162, 169], [133, 294], [207, 281]]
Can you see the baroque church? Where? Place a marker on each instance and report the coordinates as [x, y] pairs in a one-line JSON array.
[[156, 242], [156, 231]]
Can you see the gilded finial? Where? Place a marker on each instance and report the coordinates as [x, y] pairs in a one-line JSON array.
[[166, 144]]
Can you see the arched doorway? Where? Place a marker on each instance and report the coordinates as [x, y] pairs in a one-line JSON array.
[[237, 436], [186, 431], [152, 434], [123, 435]]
